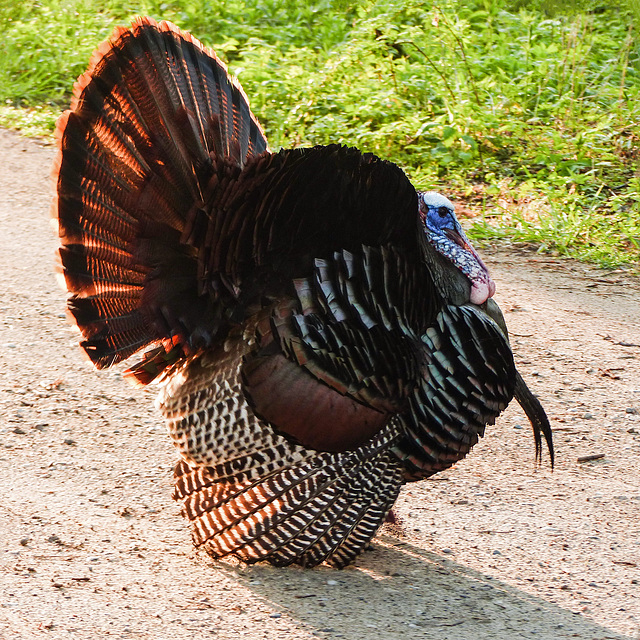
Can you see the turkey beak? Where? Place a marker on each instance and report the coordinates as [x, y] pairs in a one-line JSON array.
[[461, 241], [454, 236]]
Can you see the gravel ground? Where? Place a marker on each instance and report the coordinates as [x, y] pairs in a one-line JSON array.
[[495, 548]]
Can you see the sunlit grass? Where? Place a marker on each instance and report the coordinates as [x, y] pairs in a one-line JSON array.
[[527, 110], [609, 238]]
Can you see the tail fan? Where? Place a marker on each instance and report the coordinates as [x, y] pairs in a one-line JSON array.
[[153, 118], [327, 508]]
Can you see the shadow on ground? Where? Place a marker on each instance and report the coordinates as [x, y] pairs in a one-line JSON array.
[[447, 601]]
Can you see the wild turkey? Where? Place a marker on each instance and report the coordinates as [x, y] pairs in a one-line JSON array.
[[322, 332]]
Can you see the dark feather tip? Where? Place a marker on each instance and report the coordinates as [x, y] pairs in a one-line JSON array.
[[537, 416]]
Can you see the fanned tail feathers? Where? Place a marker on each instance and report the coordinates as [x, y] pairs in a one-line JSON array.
[[153, 118]]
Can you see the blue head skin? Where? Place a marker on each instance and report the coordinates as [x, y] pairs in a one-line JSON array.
[[445, 234]]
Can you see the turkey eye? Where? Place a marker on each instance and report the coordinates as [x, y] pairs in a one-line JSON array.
[[443, 212]]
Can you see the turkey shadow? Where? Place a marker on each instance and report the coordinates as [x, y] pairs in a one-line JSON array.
[[397, 588]]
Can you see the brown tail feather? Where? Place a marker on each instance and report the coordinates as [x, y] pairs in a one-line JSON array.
[[150, 120]]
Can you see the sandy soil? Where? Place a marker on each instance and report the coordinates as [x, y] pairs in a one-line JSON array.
[[92, 545]]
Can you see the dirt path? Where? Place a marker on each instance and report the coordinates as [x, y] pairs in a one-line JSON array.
[[92, 545]]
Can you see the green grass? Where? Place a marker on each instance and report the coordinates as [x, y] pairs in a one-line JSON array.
[[527, 111]]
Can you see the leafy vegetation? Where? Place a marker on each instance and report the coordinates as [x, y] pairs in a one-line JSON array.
[[527, 111]]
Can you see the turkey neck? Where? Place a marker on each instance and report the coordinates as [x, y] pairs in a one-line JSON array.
[[452, 285]]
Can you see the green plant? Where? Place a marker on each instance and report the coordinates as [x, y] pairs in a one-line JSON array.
[[502, 103]]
